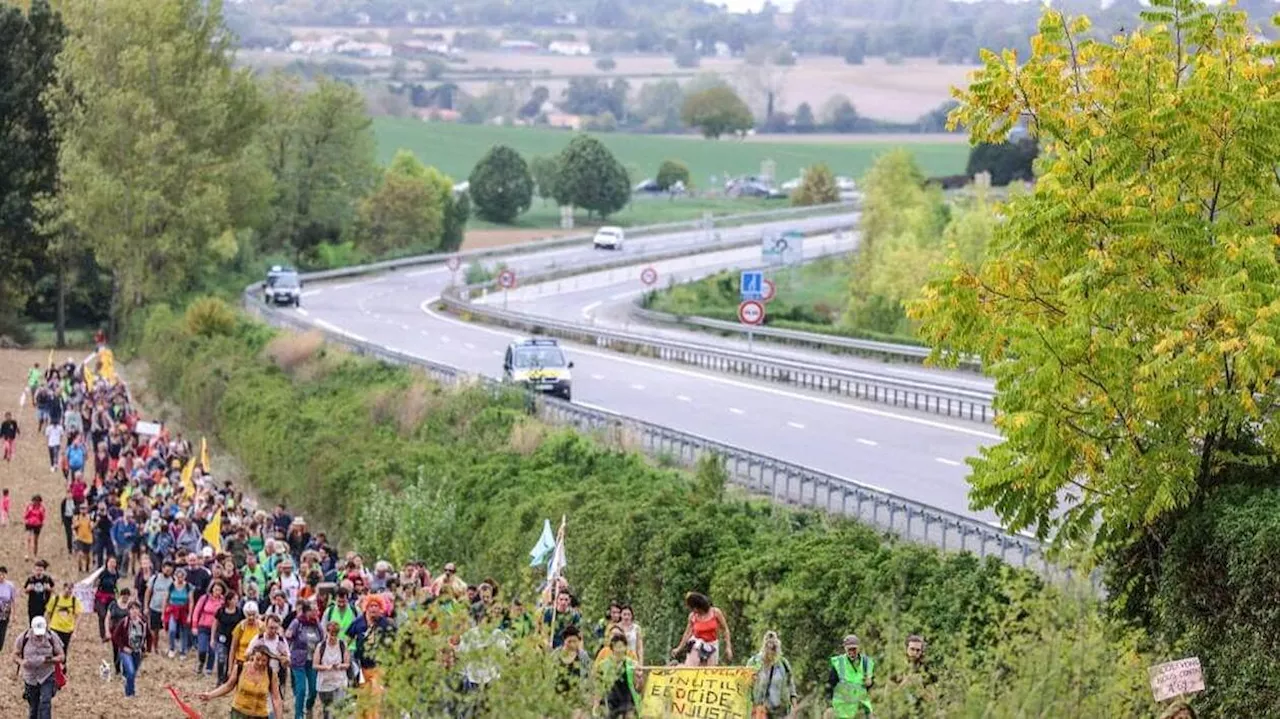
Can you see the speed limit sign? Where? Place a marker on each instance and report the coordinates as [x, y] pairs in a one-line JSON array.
[[453, 263], [507, 279], [751, 312], [649, 276]]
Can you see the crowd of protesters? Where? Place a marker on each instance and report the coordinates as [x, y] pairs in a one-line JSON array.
[[184, 568]]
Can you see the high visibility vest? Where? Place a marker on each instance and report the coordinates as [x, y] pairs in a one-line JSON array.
[[850, 697]]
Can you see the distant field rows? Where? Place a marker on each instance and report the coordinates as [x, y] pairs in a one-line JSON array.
[[455, 148]]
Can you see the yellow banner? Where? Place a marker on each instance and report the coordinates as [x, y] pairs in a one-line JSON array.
[[107, 364], [697, 693]]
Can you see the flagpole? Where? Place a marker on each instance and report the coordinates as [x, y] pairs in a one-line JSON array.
[[555, 580]]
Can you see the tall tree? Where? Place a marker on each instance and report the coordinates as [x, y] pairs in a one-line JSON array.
[[154, 124], [544, 169], [408, 208], [590, 177], [29, 45], [319, 147], [1127, 308], [716, 111], [500, 185]]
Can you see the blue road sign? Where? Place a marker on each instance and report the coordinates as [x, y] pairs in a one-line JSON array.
[[752, 284]]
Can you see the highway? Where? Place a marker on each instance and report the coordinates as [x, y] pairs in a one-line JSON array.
[[913, 455]]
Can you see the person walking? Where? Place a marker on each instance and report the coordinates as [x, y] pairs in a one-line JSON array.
[[38, 587], [917, 680], [617, 679], [8, 597], [204, 616], [228, 618], [38, 654], [130, 639], [8, 435], [105, 593], [331, 661], [53, 441], [68, 514], [64, 609], [773, 692], [304, 635], [82, 537], [177, 615], [849, 681], [33, 521], [254, 688], [706, 627]]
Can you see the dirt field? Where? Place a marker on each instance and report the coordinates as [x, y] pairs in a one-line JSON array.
[[85, 695], [482, 239]]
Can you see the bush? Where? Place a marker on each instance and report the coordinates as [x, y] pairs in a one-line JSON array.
[[210, 317], [670, 172], [817, 188], [606, 64]]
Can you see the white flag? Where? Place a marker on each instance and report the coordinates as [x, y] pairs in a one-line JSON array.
[[546, 544], [84, 591], [558, 560]]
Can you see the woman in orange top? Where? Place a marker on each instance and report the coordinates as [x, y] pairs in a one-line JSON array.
[[254, 687], [706, 627]]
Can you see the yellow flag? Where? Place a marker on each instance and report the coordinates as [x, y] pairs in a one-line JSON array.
[[107, 364], [213, 532], [89, 379], [204, 455], [189, 486]]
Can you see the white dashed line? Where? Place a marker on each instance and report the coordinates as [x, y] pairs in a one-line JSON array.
[[424, 333], [445, 340], [868, 442], [468, 345], [302, 312], [683, 398], [597, 376], [948, 462], [637, 386], [421, 273], [311, 293], [797, 425], [735, 410], [497, 353]]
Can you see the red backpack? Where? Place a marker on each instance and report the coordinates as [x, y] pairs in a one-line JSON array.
[[34, 515]]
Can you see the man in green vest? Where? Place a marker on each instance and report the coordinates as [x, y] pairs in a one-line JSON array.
[[852, 675]]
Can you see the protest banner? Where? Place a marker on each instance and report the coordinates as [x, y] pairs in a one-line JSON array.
[[84, 591], [1175, 679], [697, 693], [148, 429]]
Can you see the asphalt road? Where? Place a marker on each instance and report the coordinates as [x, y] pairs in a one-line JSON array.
[[605, 299], [914, 455]]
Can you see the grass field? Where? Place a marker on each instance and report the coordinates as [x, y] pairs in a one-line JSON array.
[[455, 148], [645, 211]]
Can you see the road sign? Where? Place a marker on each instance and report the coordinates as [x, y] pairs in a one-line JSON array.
[[453, 263], [769, 291], [507, 279], [786, 249], [649, 276], [751, 312], [752, 284]]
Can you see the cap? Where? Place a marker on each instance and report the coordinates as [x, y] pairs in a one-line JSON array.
[[39, 626], [206, 552], [851, 641], [250, 607]]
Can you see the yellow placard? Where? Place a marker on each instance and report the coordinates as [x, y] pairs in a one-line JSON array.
[[697, 693], [107, 364]]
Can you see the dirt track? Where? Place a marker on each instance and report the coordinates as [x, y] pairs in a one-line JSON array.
[[85, 695]]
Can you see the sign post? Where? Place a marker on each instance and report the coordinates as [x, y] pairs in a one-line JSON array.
[[751, 285], [649, 276], [453, 263], [507, 280], [751, 313]]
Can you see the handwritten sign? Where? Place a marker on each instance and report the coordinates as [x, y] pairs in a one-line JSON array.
[[1175, 679], [148, 429], [697, 693]]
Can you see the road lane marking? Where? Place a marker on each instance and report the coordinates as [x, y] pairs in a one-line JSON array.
[[775, 391], [586, 311], [948, 462], [468, 345], [637, 386], [625, 295], [334, 328], [312, 293], [597, 376], [735, 410], [497, 353], [684, 398], [303, 312], [868, 442], [797, 425], [422, 273]]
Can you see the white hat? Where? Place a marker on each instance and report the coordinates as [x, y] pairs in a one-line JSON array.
[[206, 552], [39, 626]]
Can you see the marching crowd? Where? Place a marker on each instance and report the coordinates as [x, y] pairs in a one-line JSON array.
[[183, 567]]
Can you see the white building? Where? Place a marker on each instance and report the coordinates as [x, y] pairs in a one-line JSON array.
[[572, 48]]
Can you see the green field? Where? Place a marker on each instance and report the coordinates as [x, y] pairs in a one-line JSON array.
[[455, 148], [643, 211]]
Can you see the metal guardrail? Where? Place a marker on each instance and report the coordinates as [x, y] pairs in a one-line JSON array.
[[939, 399], [835, 344], [782, 481], [781, 213]]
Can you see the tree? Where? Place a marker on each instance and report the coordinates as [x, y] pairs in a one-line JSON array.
[[154, 124], [1127, 308], [594, 96], [855, 49], [455, 222], [818, 187], [1007, 161], [804, 121], [670, 172], [590, 177], [28, 149], [658, 105], [606, 64], [716, 111], [686, 56], [544, 169], [500, 185], [406, 209], [318, 146], [839, 114]]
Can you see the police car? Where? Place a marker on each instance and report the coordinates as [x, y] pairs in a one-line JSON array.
[[539, 364], [283, 287]]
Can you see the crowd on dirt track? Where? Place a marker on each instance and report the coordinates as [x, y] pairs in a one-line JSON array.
[[180, 566]]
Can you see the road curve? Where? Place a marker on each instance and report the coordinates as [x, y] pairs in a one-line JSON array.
[[913, 455]]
